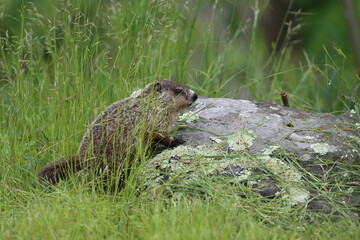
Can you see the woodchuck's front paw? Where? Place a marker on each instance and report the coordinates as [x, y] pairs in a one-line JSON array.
[[176, 142]]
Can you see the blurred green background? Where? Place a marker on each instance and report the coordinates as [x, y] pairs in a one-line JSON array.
[[239, 49]]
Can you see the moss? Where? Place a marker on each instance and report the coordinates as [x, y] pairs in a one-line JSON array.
[[188, 117], [185, 163], [289, 179], [241, 141], [320, 148]]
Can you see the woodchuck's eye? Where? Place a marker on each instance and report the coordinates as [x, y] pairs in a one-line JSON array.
[[178, 91]]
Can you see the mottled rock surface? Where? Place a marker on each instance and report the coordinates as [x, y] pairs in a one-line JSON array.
[[308, 135]]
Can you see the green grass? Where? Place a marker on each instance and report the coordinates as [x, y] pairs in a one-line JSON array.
[[69, 213], [60, 67]]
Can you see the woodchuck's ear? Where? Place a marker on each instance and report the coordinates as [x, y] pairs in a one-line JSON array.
[[158, 87]]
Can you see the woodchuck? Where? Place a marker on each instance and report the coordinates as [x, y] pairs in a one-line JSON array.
[[110, 145]]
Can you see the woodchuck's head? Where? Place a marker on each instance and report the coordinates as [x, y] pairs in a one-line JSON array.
[[172, 95]]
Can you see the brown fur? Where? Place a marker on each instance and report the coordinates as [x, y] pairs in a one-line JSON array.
[[115, 134]]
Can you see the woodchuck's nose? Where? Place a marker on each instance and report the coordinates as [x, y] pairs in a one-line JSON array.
[[193, 98]]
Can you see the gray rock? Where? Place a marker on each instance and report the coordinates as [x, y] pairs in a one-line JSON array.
[[237, 139], [309, 135]]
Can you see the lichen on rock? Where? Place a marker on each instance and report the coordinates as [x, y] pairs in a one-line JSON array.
[[180, 164]]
